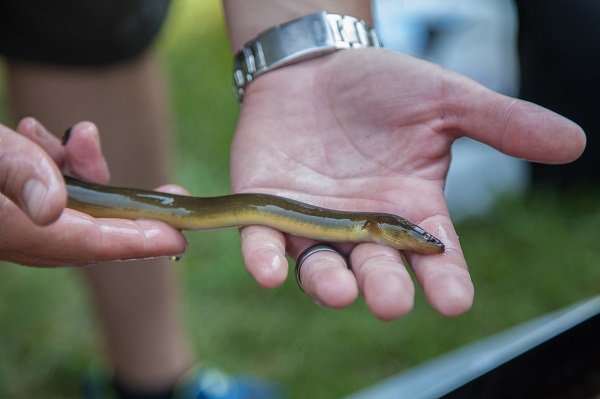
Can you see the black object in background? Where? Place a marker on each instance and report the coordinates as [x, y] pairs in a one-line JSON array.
[[559, 51]]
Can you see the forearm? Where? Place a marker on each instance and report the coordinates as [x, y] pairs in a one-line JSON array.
[[247, 18]]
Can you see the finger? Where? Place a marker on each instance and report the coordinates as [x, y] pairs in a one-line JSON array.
[[29, 177], [263, 250], [384, 281], [172, 189], [126, 239], [36, 132], [444, 277], [515, 127], [325, 277], [84, 157], [93, 240]]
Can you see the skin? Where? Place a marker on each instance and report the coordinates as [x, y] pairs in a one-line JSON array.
[[362, 129], [35, 219], [377, 139]]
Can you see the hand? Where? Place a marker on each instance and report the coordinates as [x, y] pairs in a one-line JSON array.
[[371, 130], [36, 230]]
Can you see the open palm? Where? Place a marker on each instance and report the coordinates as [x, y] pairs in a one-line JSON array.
[[371, 130]]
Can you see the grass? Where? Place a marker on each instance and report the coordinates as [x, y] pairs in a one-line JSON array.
[[527, 257]]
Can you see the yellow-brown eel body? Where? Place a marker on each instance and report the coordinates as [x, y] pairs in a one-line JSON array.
[[236, 210]]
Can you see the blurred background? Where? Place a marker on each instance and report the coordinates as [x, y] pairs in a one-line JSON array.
[[531, 250]]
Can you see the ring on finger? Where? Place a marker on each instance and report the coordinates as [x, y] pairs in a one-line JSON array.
[[308, 252]]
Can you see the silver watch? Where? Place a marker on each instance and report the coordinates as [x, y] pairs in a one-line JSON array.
[[303, 38]]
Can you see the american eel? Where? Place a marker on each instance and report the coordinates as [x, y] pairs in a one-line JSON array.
[[236, 210]]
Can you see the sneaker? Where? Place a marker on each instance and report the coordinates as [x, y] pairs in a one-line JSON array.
[[212, 383], [198, 383]]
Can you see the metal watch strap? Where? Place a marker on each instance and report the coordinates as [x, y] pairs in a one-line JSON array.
[[303, 38]]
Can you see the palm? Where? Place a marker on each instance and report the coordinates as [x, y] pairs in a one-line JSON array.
[[316, 147], [371, 130]]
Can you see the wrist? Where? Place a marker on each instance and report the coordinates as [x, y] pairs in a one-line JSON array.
[[246, 19], [301, 39]]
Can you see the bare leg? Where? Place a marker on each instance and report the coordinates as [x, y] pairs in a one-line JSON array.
[[137, 302]]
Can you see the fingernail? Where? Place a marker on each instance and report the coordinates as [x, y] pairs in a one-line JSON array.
[[34, 197], [35, 127], [175, 258], [318, 302], [67, 135]]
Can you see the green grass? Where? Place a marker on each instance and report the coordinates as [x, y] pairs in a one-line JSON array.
[[529, 256]]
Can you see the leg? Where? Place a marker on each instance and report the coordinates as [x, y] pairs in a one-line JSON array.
[[136, 301]]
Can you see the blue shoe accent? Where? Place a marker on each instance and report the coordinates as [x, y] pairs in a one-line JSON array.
[[211, 383], [198, 383]]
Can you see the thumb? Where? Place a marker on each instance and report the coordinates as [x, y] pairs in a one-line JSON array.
[[29, 177], [515, 127]]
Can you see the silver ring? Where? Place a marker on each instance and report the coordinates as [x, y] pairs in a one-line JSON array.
[[308, 252]]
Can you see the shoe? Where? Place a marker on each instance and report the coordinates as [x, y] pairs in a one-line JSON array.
[[198, 383], [212, 383]]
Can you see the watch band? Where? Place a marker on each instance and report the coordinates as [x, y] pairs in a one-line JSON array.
[[303, 38]]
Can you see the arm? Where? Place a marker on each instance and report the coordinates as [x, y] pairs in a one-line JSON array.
[[36, 230], [371, 130]]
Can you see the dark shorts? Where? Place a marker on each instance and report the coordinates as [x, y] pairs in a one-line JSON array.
[[79, 32]]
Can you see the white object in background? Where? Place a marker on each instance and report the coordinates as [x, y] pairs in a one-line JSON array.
[[476, 38]]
